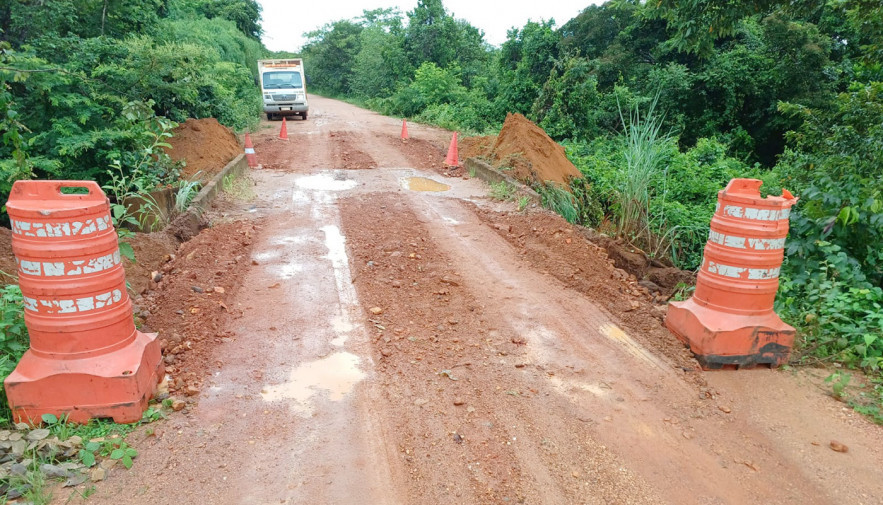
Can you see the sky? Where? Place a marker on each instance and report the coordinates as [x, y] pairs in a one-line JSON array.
[[285, 21]]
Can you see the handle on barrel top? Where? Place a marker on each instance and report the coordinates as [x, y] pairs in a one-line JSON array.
[[51, 190]]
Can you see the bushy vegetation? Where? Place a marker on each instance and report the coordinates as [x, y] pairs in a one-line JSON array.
[[13, 339], [660, 104], [84, 84]]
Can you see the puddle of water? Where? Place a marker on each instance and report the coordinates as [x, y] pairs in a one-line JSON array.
[[302, 239], [423, 184], [289, 271], [325, 182], [336, 375], [336, 244], [264, 257]]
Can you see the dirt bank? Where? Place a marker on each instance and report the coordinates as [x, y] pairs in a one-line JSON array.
[[205, 145], [533, 156]]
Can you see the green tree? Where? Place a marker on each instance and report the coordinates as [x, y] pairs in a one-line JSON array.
[[525, 61], [435, 36], [246, 14], [834, 164], [23, 20], [331, 55], [431, 35], [381, 61], [568, 106]]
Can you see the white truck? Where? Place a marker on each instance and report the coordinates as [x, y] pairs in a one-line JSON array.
[[283, 87]]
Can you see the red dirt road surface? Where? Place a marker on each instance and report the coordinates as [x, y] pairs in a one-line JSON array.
[[376, 344]]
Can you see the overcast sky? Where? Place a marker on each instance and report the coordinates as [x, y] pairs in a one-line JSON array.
[[285, 21]]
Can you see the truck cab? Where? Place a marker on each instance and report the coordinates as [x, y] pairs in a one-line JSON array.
[[283, 87]]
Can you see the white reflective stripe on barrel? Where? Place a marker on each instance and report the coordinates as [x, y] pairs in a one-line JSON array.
[[758, 244], [756, 214], [736, 272], [249, 150], [70, 229], [73, 267], [84, 304]]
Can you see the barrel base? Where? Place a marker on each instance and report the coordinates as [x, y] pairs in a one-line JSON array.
[[115, 385], [721, 340]]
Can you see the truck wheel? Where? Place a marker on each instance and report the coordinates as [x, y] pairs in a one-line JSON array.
[[269, 117], [304, 115]]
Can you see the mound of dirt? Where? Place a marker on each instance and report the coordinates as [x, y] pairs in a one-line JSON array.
[[479, 146], [151, 251], [660, 277], [533, 156], [205, 145]]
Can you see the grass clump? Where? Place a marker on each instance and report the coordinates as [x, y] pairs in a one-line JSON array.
[[558, 199], [502, 191]]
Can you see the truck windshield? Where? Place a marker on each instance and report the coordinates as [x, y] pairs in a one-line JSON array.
[[277, 80]]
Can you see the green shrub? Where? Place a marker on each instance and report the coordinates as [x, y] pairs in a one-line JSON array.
[[13, 338], [559, 200], [839, 313], [682, 195]]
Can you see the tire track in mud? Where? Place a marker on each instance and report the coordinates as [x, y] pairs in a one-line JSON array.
[[551, 244], [566, 407], [419, 153], [346, 152], [468, 424]]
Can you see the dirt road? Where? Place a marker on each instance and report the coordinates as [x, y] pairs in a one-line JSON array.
[[376, 344]]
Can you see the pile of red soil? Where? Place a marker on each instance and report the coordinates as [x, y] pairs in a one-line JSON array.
[[476, 147], [151, 251], [533, 156], [205, 145], [192, 301]]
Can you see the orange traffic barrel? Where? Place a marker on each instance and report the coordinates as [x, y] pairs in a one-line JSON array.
[[729, 321], [86, 359]]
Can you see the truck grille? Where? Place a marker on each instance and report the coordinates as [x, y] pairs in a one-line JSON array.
[[284, 98]]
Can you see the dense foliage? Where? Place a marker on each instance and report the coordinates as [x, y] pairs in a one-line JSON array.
[[661, 103], [84, 84], [13, 338]]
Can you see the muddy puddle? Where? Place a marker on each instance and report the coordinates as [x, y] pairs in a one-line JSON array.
[[423, 184], [334, 376], [325, 182]]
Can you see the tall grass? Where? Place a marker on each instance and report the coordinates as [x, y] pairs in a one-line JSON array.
[[187, 190], [558, 199], [645, 155]]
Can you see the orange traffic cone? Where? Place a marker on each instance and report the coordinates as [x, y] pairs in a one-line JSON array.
[[404, 129], [249, 153], [453, 159], [283, 133]]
